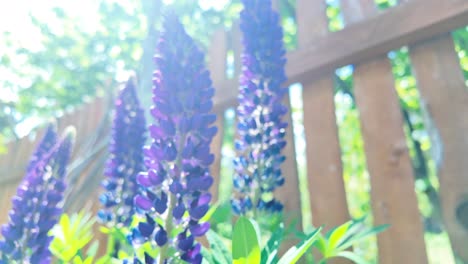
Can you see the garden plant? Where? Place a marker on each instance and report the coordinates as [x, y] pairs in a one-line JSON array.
[[156, 201]]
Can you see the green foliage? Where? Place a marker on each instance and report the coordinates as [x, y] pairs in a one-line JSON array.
[[246, 245], [296, 252], [250, 246], [77, 56], [460, 37], [219, 253], [245, 242], [337, 241], [71, 236], [270, 251]]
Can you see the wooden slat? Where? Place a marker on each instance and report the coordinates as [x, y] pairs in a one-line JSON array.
[[324, 167], [88, 117], [391, 174], [217, 65], [392, 180], [217, 56], [23, 151], [440, 80], [289, 193], [399, 26], [216, 146], [6, 194], [236, 46]]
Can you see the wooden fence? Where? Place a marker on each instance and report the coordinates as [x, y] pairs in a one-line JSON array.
[[424, 27]]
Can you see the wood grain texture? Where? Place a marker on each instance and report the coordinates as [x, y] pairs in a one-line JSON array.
[[324, 166], [289, 193], [380, 33], [389, 165], [217, 56], [442, 87], [216, 146]]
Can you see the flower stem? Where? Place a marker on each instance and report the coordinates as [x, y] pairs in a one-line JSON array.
[[168, 226], [172, 202]]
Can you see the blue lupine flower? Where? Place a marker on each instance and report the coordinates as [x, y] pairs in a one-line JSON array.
[[175, 186], [260, 127], [37, 204], [126, 158]]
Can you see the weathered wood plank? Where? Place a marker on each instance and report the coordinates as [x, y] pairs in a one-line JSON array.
[[406, 24], [324, 166], [6, 194], [289, 193], [440, 81], [217, 57], [393, 197], [216, 146], [217, 65], [236, 46]]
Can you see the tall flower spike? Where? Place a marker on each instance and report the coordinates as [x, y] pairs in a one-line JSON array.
[[49, 139], [260, 127], [37, 205], [175, 187], [126, 158]]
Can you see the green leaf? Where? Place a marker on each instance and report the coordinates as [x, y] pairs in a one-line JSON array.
[[270, 251], [338, 235], [210, 213], [359, 235], [222, 214], [296, 252], [245, 245], [321, 245], [219, 251], [92, 250], [353, 257], [77, 260], [104, 260], [208, 257], [71, 235]]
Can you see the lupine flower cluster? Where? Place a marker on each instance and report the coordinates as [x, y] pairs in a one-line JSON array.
[[126, 158], [37, 204], [176, 183], [260, 127]]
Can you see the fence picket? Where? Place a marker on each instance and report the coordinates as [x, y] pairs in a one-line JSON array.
[[393, 196], [216, 146], [289, 193], [324, 167], [440, 81], [391, 174]]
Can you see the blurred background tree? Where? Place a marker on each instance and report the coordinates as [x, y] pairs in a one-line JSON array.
[[66, 52]]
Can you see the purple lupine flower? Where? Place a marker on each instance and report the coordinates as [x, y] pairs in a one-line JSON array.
[[38, 204], [47, 142], [126, 158], [175, 187], [260, 127]]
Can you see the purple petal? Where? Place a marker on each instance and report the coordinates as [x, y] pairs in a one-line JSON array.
[[143, 203], [199, 229], [178, 211], [160, 237], [198, 212]]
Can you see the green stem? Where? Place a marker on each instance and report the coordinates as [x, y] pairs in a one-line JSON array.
[[110, 245], [168, 225]]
